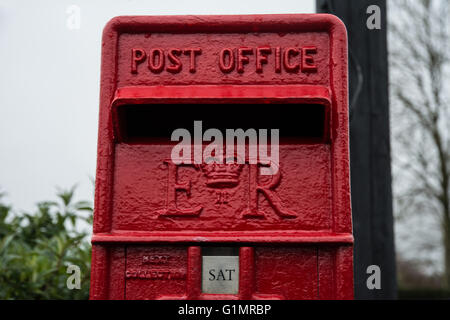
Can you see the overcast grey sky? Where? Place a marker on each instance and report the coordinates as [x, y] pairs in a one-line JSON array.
[[49, 86]]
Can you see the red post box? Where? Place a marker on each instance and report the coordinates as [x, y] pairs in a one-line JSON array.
[[177, 230]]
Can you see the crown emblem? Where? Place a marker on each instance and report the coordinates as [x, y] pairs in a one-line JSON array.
[[222, 175]]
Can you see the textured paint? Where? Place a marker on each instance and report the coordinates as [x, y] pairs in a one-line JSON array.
[[151, 218]]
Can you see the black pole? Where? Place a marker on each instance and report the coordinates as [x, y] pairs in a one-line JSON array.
[[370, 160]]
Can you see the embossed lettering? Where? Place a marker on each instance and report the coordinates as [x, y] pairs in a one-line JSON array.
[[277, 59], [137, 56], [224, 176], [156, 259], [267, 190], [222, 197], [308, 60], [156, 54], [192, 54], [172, 187], [226, 54], [261, 57], [288, 53], [242, 58], [291, 59], [156, 274], [176, 62]]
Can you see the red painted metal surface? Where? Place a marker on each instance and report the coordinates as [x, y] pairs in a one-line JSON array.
[[152, 218]]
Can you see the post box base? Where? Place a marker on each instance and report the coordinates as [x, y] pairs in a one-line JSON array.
[[209, 272]]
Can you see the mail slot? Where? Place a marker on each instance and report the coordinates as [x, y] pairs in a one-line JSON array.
[[190, 228]]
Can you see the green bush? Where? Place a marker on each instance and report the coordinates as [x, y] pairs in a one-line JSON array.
[[36, 249]]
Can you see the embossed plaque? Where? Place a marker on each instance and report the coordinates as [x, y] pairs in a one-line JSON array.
[[220, 274]]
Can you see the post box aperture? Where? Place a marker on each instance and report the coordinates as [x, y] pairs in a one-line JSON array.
[[184, 209], [295, 121]]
